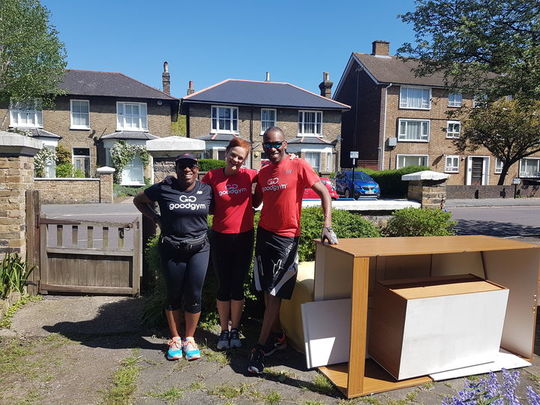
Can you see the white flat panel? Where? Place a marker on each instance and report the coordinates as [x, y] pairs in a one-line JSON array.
[[504, 360], [327, 330], [448, 332]]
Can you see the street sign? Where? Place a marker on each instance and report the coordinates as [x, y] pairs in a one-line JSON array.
[[353, 154]]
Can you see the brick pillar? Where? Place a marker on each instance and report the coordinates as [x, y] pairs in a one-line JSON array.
[[106, 180], [427, 187], [16, 176]]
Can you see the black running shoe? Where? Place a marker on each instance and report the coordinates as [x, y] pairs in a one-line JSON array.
[[223, 341], [234, 336], [256, 365], [277, 341]]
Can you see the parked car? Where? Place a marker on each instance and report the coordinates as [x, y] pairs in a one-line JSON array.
[[310, 194], [364, 185]]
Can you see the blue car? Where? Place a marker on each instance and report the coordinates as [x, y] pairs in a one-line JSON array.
[[364, 185]]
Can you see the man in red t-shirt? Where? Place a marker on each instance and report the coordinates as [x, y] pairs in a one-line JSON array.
[[280, 187]]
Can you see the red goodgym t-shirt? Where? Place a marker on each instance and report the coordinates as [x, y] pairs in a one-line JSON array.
[[282, 186], [233, 211]]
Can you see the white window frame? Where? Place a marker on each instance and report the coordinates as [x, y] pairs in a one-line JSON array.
[[71, 113], [523, 174], [405, 98], [453, 134], [451, 164], [232, 121], [121, 116], [318, 152], [402, 138], [16, 113], [455, 99], [265, 126], [302, 123], [412, 155], [498, 166]]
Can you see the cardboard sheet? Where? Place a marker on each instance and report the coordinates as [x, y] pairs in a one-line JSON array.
[[504, 360]]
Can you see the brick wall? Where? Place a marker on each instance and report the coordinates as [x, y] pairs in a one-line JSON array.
[[67, 191], [506, 191], [16, 176]]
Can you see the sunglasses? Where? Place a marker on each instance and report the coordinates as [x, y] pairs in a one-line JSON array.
[[189, 165], [270, 145]]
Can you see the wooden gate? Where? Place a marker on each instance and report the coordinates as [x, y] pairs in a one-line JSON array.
[[90, 257]]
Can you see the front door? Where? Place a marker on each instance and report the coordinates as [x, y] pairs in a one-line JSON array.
[[477, 171]]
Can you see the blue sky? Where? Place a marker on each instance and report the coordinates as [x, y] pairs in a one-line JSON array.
[[209, 41]]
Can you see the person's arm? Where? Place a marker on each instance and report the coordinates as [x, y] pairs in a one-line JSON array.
[[326, 205], [146, 206], [257, 196]]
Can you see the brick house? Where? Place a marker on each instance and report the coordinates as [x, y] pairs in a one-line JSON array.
[[398, 119], [311, 122], [97, 110]]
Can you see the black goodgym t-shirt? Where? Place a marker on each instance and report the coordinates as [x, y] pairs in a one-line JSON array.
[[183, 213]]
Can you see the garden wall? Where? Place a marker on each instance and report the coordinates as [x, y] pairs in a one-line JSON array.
[[504, 191]]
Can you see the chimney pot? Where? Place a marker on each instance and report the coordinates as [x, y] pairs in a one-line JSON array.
[[267, 76], [326, 85], [381, 48], [166, 79], [190, 89]]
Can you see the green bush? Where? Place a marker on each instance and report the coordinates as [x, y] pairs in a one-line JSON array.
[[63, 155], [124, 191], [344, 223], [67, 170], [420, 222], [14, 273], [209, 164], [390, 180]]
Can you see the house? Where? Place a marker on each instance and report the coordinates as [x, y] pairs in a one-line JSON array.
[[397, 119], [97, 110], [244, 108]]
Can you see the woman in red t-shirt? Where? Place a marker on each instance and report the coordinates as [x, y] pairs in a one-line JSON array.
[[232, 236]]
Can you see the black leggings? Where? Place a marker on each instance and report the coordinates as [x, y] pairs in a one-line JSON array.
[[231, 258], [184, 278]]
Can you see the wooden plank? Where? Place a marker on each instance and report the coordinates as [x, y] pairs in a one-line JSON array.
[[45, 220], [43, 261], [137, 262], [88, 289], [95, 252], [32, 239], [359, 311], [405, 246]]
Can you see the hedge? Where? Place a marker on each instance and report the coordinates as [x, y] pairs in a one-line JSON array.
[[209, 164], [420, 222]]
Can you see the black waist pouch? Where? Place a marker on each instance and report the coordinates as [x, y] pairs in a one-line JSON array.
[[185, 246]]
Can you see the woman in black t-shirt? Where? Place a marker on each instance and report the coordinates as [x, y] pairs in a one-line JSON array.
[[184, 204]]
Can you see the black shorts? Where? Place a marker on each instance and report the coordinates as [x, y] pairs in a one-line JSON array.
[[276, 263]]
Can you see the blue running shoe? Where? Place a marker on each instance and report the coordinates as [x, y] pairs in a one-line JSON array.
[[191, 350], [175, 349]]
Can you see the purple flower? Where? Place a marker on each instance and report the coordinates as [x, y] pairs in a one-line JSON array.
[[532, 396]]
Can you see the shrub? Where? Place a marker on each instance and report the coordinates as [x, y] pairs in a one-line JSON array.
[[14, 273], [420, 222], [210, 164], [63, 155], [67, 170], [390, 180], [123, 191], [344, 223]]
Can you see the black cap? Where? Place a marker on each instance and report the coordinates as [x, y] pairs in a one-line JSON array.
[[186, 156]]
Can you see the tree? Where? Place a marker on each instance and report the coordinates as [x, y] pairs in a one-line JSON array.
[[483, 47], [32, 58], [509, 129]]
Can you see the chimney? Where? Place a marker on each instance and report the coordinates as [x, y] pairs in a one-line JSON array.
[[380, 48], [190, 89], [166, 79], [326, 85], [267, 76]]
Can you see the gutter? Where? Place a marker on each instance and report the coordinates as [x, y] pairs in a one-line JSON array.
[[381, 154]]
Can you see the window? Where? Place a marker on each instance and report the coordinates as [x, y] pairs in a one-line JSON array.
[[25, 114], [314, 159], [224, 119], [411, 160], [451, 164], [453, 129], [415, 97], [81, 160], [413, 130], [131, 116], [498, 166], [268, 119], [529, 167], [309, 123], [80, 114], [454, 99]]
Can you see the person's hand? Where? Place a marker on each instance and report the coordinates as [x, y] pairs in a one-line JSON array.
[[293, 156], [329, 236]]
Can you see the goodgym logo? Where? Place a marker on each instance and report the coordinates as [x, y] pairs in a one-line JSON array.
[[233, 189], [272, 185], [187, 202], [274, 180]]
